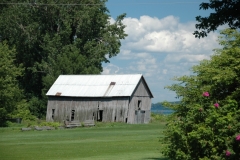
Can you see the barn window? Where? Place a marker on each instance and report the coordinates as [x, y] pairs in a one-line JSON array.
[[139, 104], [72, 115], [53, 111]]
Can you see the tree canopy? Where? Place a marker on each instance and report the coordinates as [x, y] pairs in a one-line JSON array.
[[205, 125], [10, 93], [226, 12], [58, 37]]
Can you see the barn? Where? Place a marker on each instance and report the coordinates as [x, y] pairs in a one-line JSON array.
[[106, 98]]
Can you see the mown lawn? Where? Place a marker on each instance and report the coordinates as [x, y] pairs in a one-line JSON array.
[[102, 142]]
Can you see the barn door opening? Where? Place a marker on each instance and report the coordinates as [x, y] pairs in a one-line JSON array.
[[72, 115], [100, 115], [53, 112]]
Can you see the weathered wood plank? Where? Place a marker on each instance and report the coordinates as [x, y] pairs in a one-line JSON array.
[[88, 123], [26, 129], [72, 124]]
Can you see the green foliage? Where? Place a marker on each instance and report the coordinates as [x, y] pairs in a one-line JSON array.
[[58, 39], [226, 12], [205, 132], [37, 106], [158, 117], [10, 93], [51, 124], [206, 126], [22, 111]]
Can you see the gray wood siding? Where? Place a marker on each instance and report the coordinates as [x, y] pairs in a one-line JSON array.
[[143, 96], [114, 109], [141, 90]]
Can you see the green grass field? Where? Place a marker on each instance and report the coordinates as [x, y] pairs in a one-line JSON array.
[[102, 142]]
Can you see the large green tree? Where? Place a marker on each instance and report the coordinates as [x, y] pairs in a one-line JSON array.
[[223, 12], [205, 124], [54, 37], [10, 93]]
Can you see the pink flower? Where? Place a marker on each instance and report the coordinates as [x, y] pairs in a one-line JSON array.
[[238, 137], [205, 94], [228, 153], [216, 105]]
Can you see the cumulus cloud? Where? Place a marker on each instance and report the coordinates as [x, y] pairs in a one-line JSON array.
[[146, 65], [111, 20], [151, 34], [160, 49], [111, 69]]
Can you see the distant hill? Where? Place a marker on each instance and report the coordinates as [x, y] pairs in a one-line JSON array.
[[158, 108]]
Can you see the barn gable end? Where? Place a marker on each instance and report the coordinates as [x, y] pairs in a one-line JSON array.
[[107, 98], [140, 104]]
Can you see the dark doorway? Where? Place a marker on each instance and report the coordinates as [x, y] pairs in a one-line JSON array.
[[100, 115], [139, 104], [53, 112], [72, 115]]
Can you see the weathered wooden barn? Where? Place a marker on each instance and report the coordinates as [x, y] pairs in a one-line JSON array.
[[106, 98]]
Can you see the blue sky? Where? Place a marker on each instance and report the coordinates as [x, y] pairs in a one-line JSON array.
[[160, 44]]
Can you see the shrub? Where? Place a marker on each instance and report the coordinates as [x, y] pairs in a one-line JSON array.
[[206, 125], [208, 130], [50, 124], [158, 117]]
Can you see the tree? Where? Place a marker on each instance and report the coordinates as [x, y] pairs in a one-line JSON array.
[[226, 12], [58, 37], [205, 125], [10, 93]]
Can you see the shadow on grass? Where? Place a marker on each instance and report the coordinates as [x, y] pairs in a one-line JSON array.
[[157, 158]]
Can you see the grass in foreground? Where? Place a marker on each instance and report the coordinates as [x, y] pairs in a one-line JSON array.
[[105, 141]]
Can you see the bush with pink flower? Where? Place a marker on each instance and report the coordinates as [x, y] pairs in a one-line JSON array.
[[204, 131], [206, 122]]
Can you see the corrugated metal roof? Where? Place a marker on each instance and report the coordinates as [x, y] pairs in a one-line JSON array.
[[94, 85]]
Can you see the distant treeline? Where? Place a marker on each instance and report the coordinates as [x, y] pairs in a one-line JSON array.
[[159, 108]]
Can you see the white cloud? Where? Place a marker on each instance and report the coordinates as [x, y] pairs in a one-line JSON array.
[[160, 49], [111, 20], [146, 66], [174, 58], [111, 69], [151, 34]]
